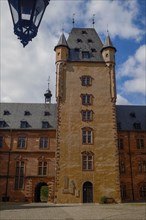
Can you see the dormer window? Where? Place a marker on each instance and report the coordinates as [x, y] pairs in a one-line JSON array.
[[85, 55], [45, 124], [79, 40], [90, 41], [77, 50], [27, 113], [46, 113], [137, 125], [93, 50], [6, 112], [3, 124], [132, 115], [84, 32], [24, 124]]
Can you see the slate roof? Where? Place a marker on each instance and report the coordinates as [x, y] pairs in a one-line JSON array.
[[108, 44], [128, 116], [12, 114], [82, 40], [131, 117], [62, 42]]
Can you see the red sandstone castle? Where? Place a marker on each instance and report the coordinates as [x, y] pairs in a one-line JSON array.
[[84, 147]]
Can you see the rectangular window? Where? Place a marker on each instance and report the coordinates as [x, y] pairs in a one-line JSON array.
[[85, 55], [21, 142], [43, 142], [122, 167], [87, 162], [19, 175], [86, 80], [120, 143], [87, 115], [1, 141], [140, 143], [87, 136], [86, 99], [144, 166], [42, 168]]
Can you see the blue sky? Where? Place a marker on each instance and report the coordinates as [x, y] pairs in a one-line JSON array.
[[25, 71]]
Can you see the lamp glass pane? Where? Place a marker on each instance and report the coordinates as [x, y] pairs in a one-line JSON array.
[[39, 10]]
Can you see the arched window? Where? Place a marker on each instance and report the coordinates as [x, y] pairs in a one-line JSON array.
[[87, 135], [87, 161]]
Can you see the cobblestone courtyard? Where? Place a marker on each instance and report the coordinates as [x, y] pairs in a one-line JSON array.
[[45, 211]]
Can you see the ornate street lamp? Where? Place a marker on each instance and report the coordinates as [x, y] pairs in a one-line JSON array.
[[27, 16]]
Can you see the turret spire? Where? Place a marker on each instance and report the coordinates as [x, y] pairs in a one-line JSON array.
[[108, 43], [62, 42]]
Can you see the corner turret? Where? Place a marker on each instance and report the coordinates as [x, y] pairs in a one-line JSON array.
[[62, 49], [108, 51]]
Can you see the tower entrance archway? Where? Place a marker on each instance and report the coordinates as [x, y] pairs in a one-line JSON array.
[[38, 192], [87, 192]]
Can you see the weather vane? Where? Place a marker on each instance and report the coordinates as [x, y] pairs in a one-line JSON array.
[[73, 19], [107, 30], [62, 28]]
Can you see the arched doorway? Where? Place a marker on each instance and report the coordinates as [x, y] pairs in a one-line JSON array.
[[38, 190], [87, 192]]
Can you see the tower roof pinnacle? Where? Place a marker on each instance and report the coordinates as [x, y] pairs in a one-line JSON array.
[[108, 44], [62, 42]]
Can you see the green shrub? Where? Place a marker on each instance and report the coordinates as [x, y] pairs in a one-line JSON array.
[[103, 200], [44, 194]]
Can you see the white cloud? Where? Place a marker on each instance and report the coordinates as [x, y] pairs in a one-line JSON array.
[[119, 16], [121, 100], [24, 72], [134, 72]]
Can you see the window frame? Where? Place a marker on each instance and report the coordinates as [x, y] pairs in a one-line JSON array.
[[120, 143], [87, 136], [1, 141], [87, 115], [122, 167], [142, 191], [22, 142], [44, 143], [42, 168], [45, 124], [86, 80], [87, 161], [87, 99], [85, 55], [140, 143], [19, 175]]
